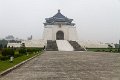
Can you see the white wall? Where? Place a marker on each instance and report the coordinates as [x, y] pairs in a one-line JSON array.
[[29, 43], [47, 34], [50, 31], [34, 43], [14, 44], [92, 44]]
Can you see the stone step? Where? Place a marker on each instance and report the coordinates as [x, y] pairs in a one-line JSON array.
[[76, 46], [51, 46], [64, 45]]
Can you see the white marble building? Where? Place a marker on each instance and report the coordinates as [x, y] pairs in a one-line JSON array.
[[59, 27], [60, 34]]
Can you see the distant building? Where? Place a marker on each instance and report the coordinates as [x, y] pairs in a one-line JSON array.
[[116, 45], [30, 38], [12, 41], [9, 37]]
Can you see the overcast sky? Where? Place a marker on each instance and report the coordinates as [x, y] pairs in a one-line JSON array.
[[95, 19]]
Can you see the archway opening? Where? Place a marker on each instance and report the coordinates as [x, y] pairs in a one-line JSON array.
[[60, 35]]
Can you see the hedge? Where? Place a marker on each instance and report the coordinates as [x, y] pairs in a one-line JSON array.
[[8, 52]]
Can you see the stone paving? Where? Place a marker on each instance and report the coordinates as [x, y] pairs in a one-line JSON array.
[[69, 66]]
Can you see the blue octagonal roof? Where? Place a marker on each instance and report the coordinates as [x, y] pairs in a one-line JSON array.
[[58, 19]]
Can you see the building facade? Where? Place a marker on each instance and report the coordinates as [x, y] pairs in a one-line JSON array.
[[59, 27]]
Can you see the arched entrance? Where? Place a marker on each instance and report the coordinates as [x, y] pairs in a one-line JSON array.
[[60, 35]]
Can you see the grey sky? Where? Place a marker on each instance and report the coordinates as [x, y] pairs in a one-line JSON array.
[[95, 19]]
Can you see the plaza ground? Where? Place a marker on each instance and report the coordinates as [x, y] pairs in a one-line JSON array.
[[69, 66]]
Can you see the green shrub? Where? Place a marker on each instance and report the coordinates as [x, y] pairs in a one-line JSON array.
[[0, 52], [118, 49], [22, 50], [3, 58], [31, 50], [115, 50], [97, 51], [41, 49], [17, 55], [8, 52], [103, 50]]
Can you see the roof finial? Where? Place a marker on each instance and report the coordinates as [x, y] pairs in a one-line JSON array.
[[58, 10]]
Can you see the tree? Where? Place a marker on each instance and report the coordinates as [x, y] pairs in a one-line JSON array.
[[3, 43], [1, 46]]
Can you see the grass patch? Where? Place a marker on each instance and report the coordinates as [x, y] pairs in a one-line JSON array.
[[7, 64], [103, 49]]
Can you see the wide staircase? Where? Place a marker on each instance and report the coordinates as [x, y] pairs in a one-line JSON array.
[[64, 45], [51, 46], [76, 46]]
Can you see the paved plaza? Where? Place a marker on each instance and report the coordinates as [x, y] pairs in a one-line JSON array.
[[69, 66]]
